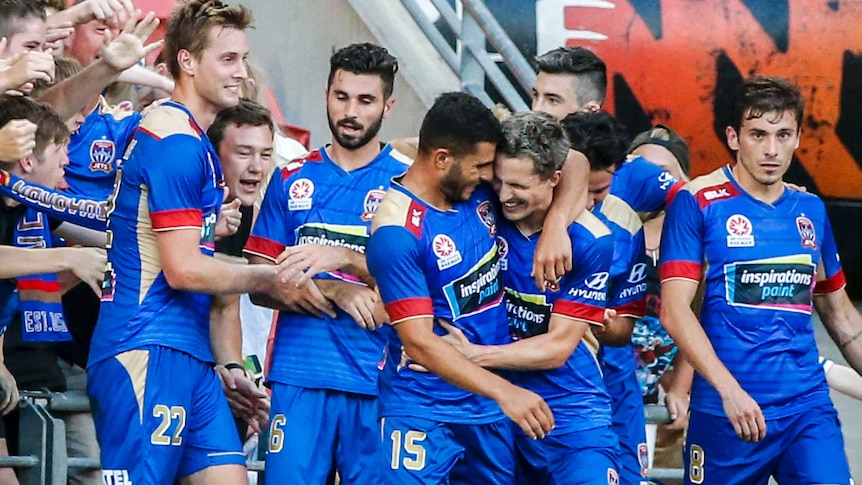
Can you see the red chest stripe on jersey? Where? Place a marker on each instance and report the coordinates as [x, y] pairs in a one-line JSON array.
[[263, 247], [831, 284], [581, 311], [672, 191], [177, 218], [294, 165], [709, 195], [409, 307], [680, 269], [633, 309]]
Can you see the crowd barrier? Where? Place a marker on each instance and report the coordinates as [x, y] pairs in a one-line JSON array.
[[42, 458]]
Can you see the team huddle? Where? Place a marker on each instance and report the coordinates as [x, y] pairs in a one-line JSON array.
[[457, 308]]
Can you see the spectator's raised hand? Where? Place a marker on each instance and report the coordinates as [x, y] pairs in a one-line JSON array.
[[229, 219], [17, 140], [19, 71], [128, 48], [89, 10], [88, 264], [56, 34]]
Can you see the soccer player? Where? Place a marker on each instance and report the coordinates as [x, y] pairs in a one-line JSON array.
[[159, 408], [760, 402], [604, 141], [433, 253], [573, 79], [320, 208], [547, 328]]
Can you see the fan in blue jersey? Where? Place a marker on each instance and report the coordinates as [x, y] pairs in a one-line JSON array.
[[159, 408], [604, 141], [760, 403], [433, 252], [547, 328], [324, 367]]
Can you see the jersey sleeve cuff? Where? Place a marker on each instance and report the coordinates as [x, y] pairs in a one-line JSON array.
[[831, 284], [263, 247], [632, 309], [177, 219], [672, 191], [408, 308], [680, 270], [593, 315]]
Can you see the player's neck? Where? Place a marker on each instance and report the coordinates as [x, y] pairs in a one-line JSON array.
[[353, 159], [425, 185], [203, 112], [768, 193], [532, 224]]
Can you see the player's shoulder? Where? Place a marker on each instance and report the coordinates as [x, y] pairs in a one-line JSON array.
[[400, 157], [588, 224], [166, 121], [295, 166], [714, 187], [617, 211], [400, 209]]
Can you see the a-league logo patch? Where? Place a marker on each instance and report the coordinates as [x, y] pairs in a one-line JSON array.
[[643, 458], [613, 477], [300, 192], [486, 214], [446, 252], [372, 201], [806, 230], [102, 156], [503, 252], [739, 231]]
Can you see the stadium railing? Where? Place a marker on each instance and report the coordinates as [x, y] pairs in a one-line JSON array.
[[42, 458]]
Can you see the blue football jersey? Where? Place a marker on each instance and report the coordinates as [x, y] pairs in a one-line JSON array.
[[170, 179], [627, 279], [763, 264], [643, 185], [96, 149], [575, 391], [441, 264], [314, 201]]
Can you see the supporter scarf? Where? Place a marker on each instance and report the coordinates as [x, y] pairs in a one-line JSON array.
[[54, 203], [39, 295]]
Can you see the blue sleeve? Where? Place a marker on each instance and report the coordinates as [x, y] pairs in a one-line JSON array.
[[174, 175], [643, 185], [583, 291], [395, 260], [682, 244], [628, 287], [271, 234]]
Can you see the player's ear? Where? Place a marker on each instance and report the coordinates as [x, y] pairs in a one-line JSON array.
[[441, 157], [555, 178], [388, 106], [27, 164], [732, 138], [185, 61]]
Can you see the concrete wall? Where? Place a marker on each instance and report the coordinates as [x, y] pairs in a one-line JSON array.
[[293, 40]]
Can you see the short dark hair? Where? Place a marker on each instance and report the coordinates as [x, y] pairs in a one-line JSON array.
[[759, 95], [590, 71], [602, 138], [12, 12], [190, 22], [365, 58], [458, 122], [537, 136], [247, 112], [49, 127]]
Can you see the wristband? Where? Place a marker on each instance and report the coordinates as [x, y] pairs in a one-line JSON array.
[[234, 365]]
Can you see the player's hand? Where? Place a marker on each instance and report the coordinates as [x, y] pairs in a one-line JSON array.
[[528, 410], [306, 298], [745, 415], [10, 389], [118, 10], [301, 263], [358, 301], [21, 69], [798, 188], [229, 219], [245, 398], [410, 363], [17, 139], [56, 34], [456, 338], [128, 48], [677, 406], [88, 264], [552, 258]]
